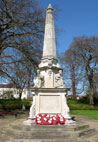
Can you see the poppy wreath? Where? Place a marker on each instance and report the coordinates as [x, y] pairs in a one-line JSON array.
[[50, 121], [47, 119], [55, 119], [61, 119], [39, 119]]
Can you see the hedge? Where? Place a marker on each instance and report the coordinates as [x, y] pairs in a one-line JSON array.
[[82, 107], [80, 104], [14, 104]]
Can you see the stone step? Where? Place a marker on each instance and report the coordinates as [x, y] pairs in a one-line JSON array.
[[35, 135], [48, 132], [50, 127], [87, 132]]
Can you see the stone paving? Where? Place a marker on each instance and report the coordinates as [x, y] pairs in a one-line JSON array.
[[9, 119]]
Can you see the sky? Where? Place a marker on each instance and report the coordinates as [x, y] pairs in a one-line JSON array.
[[77, 18]]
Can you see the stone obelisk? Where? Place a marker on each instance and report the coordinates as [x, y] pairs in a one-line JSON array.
[[49, 90], [49, 49], [49, 60]]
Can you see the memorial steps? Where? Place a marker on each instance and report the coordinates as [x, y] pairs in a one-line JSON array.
[[19, 131]]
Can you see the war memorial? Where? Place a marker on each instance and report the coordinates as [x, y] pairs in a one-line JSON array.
[[49, 90], [49, 116]]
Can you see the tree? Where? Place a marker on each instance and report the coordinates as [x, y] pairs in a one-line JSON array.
[[86, 51], [88, 48], [72, 70], [21, 35], [18, 21]]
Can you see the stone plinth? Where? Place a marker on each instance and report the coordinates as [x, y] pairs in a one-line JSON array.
[[48, 101], [51, 101]]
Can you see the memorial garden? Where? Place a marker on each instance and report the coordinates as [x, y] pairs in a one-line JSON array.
[[45, 94]]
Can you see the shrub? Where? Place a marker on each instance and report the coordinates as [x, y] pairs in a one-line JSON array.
[[9, 107], [84, 100], [13, 104], [78, 107], [71, 101], [96, 100], [81, 107]]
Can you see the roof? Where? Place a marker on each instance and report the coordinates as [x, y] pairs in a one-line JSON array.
[[9, 85]]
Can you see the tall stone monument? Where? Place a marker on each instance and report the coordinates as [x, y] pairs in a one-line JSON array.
[[49, 90], [49, 98]]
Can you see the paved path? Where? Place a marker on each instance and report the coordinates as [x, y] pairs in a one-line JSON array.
[[92, 122]]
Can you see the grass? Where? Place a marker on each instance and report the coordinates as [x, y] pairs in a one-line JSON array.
[[88, 113]]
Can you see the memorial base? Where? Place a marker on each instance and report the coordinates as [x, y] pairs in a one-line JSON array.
[[29, 122], [20, 131], [49, 101]]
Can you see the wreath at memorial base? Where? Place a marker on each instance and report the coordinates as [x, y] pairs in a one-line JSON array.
[[47, 119]]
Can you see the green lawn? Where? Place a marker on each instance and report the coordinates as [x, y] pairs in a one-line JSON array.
[[89, 113]]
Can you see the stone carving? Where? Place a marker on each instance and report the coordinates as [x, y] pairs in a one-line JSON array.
[[50, 63], [39, 80], [65, 107], [49, 72], [59, 82], [32, 113], [32, 109]]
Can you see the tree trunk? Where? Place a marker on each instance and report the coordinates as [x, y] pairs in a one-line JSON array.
[[90, 76], [28, 83], [20, 93], [73, 82]]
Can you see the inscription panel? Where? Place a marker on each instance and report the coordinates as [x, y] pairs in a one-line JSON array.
[[49, 104]]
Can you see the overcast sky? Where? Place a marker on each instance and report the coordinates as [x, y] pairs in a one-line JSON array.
[[77, 18]]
